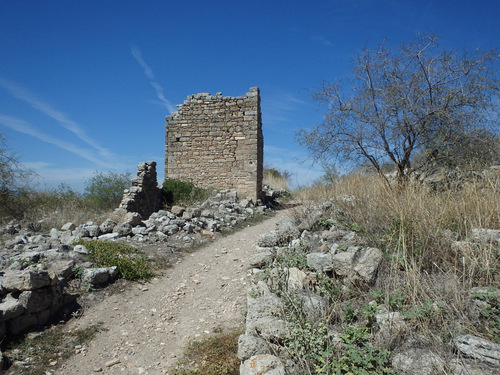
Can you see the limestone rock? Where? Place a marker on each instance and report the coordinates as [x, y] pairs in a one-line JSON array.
[[320, 262], [342, 262], [263, 364], [10, 308], [263, 318], [132, 218], [249, 345], [478, 348], [367, 263], [35, 300], [269, 239], [123, 229], [261, 259], [98, 276], [25, 280], [414, 361], [107, 226], [68, 226]]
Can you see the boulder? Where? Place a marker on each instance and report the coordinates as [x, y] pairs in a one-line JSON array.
[[263, 318], [133, 219], [35, 301], [107, 226], [123, 229], [342, 262]]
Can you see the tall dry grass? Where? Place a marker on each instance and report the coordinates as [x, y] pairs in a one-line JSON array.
[[275, 179], [432, 256], [43, 210]]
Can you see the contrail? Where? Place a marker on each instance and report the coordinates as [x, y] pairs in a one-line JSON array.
[[152, 80]]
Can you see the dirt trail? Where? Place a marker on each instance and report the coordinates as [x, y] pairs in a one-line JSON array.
[[146, 328]]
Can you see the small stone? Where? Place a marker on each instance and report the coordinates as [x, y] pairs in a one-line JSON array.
[[112, 363]]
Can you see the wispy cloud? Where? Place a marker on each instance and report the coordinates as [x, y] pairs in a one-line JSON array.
[[25, 128], [63, 120], [152, 80], [321, 39]]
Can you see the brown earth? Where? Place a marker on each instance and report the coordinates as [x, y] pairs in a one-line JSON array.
[[145, 328]]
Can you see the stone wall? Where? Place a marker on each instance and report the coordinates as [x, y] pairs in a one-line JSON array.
[[144, 196], [216, 141]]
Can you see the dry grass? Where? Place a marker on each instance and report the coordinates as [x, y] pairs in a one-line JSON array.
[[215, 355], [275, 179], [43, 210], [432, 259]]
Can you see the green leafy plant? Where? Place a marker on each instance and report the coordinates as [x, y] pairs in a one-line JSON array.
[[131, 263], [350, 314], [491, 314], [327, 288], [178, 191], [324, 223]]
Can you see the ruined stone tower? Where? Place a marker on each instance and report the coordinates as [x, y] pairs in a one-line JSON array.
[[216, 141]]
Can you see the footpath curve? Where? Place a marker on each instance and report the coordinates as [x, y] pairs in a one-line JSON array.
[[145, 329]]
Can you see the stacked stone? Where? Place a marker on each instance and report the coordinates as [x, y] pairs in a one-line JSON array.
[[144, 196], [29, 298], [216, 141]]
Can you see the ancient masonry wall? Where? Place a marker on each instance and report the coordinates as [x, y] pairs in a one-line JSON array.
[[216, 141]]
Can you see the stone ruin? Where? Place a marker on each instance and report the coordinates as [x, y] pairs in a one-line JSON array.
[[144, 196], [216, 141]]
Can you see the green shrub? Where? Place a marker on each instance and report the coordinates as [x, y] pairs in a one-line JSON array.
[[131, 263], [177, 191], [105, 190]]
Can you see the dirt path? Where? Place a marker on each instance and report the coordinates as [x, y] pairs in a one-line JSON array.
[[146, 328]]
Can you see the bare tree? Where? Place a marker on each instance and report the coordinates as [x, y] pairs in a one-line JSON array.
[[403, 102]]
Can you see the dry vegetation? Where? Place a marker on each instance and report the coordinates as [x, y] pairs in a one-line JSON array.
[[432, 259]]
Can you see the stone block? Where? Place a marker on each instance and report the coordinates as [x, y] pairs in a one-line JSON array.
[[10, 308], [20, 281]]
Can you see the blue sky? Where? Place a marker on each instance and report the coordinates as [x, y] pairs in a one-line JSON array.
[[85, 85]]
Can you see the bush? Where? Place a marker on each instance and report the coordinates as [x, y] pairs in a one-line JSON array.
[[178, 191], [131, 263], [105, 190]]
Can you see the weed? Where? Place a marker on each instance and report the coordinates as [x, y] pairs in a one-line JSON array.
[[324, 223], [131, 263], [491, 314], [350, 314], [327, 288]]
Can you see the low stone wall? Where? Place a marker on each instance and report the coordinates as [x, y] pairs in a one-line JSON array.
[[29, 298]]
